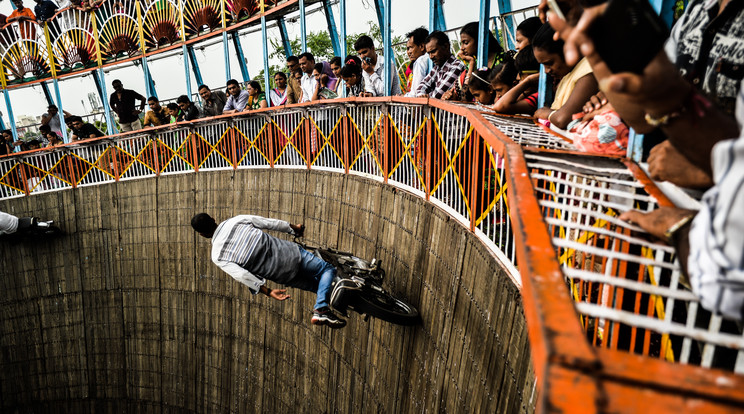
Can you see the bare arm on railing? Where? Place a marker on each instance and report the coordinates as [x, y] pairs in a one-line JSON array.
[[660, 91]]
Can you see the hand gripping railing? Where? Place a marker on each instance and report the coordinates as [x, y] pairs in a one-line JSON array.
[[612, 325]]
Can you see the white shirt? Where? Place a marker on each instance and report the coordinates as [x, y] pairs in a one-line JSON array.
[[307, 83], [8, 223], [55, 124], [375, 82], [716, 261], [421, 67]]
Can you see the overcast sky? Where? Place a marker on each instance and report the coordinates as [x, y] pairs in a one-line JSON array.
[[169, 74]]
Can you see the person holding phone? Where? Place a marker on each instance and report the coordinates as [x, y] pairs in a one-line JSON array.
[[576, 83], [709, 243], [373, 66]]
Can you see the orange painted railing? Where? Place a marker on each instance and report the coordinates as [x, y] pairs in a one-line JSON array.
[[612, 326]]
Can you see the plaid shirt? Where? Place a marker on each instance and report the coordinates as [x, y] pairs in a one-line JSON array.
[[441, 79]]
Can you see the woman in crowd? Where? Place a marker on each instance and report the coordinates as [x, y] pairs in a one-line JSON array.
[[576, 84], [351, 73], [325, 82], [336, 69], [468, 54], [526, 31], [53, 139], [175, 113], [256, 97], [522, 98], [278, 95]]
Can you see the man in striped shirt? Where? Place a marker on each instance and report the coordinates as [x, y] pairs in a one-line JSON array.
[[446, 68], [250, 256]]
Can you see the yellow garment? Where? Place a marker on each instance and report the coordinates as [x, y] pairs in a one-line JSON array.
[[568, 83]]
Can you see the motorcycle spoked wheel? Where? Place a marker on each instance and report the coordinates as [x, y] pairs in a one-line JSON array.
[[384, 306]]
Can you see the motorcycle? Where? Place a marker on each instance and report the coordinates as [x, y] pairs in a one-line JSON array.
[[358, 287], [31, 229]]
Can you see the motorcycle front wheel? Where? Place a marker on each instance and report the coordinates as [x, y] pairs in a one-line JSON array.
[[383, 305]]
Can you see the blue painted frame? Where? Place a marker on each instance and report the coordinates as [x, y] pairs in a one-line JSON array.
[[483, 29], [241, 57], [285, 38], [505, 6], [303, 26], [436, 16], [100, 79], [195, 65], [332, 28]]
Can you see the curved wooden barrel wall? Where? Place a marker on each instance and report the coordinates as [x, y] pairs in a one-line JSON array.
[[126, 313]]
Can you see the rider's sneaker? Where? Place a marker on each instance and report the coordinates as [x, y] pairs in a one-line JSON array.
[[325, 316]]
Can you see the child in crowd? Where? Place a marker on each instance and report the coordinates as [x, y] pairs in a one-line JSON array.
[[576, 84], [522, 98], [326, 81], [504, 77], [351, 73], [481, 89]]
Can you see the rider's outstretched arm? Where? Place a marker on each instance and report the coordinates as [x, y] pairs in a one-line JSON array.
[[264, 223], [278, 294]]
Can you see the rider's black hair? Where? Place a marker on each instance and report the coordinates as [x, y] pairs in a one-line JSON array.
[[203, 223]]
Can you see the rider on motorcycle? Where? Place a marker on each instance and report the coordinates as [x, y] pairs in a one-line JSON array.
[[250, 256]]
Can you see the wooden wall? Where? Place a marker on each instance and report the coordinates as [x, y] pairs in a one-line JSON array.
[[126, 313]]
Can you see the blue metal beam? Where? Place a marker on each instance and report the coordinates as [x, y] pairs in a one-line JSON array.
[[380, 9], [267, 75], [542, 88], [342, 26], [241, 56], [149, 83], [285, 38], [226, 51], [436, 16], [506, 7], [100, 80], [11, 118], [483, 29], [388, 47], [61, 112], [47, 94], [186, 70], [303, 28], [332, 28], [195, 65]]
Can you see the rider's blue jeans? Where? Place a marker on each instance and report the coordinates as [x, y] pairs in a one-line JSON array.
[[317, 271]]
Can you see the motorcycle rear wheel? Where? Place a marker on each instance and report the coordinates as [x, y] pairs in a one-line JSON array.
[[383, 305]]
